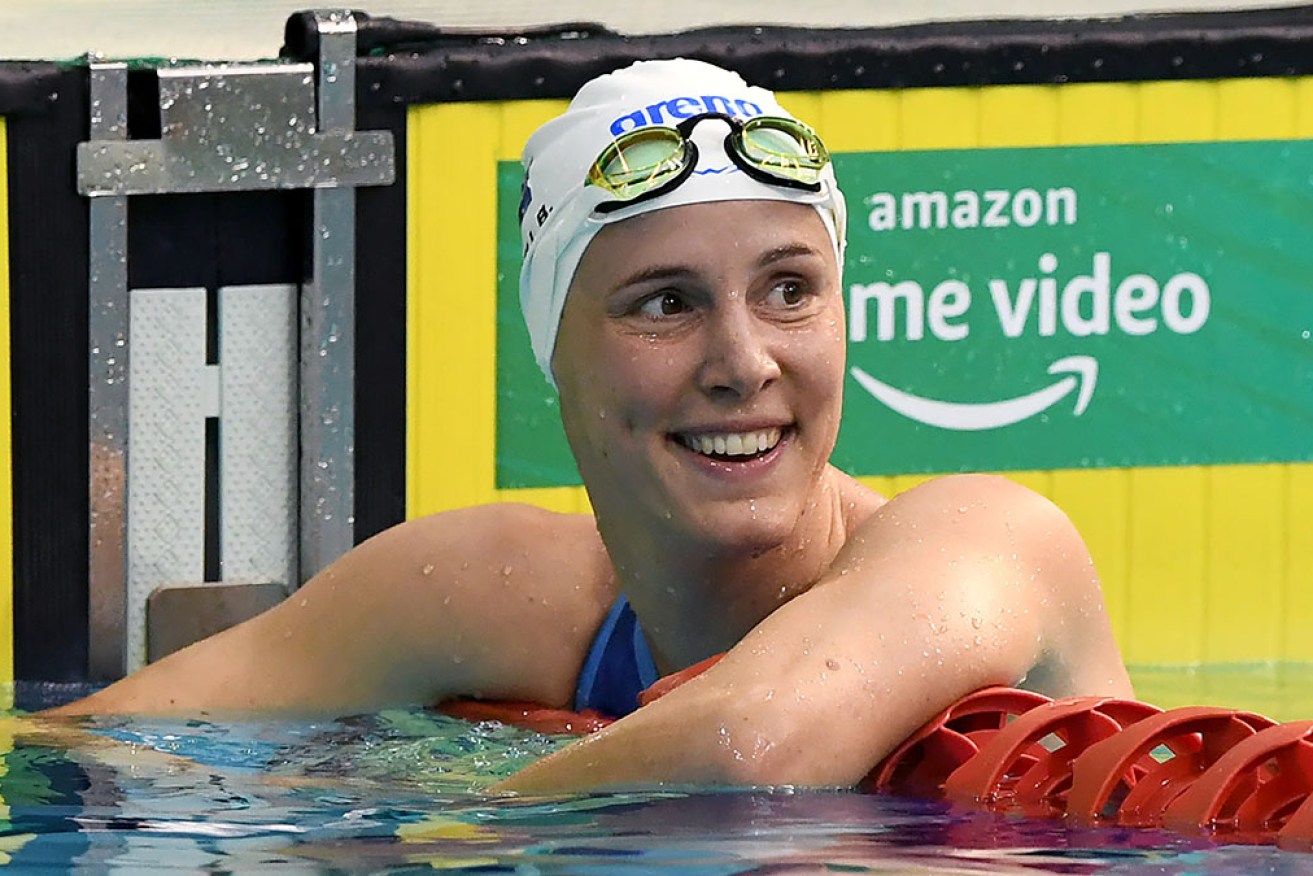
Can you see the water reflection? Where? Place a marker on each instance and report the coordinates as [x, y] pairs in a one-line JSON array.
[[403, 789]]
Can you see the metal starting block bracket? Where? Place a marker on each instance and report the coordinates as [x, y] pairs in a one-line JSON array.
[[224, 128], [236, 128]]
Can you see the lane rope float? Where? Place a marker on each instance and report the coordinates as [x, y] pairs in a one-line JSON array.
[[1232, 774]]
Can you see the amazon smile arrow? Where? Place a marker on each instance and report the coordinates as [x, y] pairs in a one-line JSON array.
[[1082, 374]]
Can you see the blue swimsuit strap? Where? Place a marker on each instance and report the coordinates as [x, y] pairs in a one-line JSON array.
[[618, 667]]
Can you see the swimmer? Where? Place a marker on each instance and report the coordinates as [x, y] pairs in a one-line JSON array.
[[682, 289]]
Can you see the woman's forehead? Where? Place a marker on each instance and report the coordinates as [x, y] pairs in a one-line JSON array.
[[708, 233]]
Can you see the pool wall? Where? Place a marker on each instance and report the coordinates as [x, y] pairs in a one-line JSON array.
[[1159, 375]]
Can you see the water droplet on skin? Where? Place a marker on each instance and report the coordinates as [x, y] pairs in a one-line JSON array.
[[506, 570], [303, 602], [976, 623], [428, 569], [831, 664]]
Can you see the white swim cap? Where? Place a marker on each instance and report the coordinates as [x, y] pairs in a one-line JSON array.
[[558, 214]]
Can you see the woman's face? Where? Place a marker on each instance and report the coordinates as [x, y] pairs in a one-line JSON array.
[[700, 362]]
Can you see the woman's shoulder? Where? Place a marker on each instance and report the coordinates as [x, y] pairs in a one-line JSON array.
[[953, 506], [517, 543], [506, 526], [1013, 561], [497, 600]]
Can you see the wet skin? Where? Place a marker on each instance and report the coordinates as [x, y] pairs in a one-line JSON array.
[[711, 319], [714, 318], [848, 620], [855, 619]]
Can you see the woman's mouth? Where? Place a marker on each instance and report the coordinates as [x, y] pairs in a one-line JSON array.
[[731, 446]]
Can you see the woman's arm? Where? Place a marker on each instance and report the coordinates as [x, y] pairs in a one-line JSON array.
[[958, 584], [497, 600]]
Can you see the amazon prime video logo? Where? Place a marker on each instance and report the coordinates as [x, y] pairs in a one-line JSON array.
[[1087, 304]]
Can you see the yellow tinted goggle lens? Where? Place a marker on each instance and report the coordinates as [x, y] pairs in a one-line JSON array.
[[783, 147], [639, 161]]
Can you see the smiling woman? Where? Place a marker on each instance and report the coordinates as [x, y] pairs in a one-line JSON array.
[[682, 288], [745, 311]]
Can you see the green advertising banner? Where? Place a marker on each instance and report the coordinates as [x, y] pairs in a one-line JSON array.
[[1064, 307]]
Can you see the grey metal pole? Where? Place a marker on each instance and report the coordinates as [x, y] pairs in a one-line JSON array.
[[328, 325], [107, 289]]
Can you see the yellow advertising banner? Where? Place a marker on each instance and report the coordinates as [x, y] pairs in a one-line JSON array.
[[1202, 562]]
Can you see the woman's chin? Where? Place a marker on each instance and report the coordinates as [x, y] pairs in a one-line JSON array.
[[744, 527]]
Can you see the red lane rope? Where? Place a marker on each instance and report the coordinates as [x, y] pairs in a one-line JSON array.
[[920, 765], [1234, 774], [1027, 766], [1195, 738]]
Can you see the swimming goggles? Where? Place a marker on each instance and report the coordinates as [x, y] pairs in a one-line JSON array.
[[646, 162]]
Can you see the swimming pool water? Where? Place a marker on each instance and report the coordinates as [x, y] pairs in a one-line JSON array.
[[400, 791]]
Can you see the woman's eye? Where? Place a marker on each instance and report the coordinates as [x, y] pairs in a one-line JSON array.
[[788, 294], [663, 304]]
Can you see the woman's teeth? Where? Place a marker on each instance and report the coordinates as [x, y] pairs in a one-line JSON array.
[[732, 443]]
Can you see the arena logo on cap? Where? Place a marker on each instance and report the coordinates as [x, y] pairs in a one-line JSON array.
[[677, 108]]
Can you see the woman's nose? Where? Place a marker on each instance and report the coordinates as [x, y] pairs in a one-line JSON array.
[[739, 359]]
